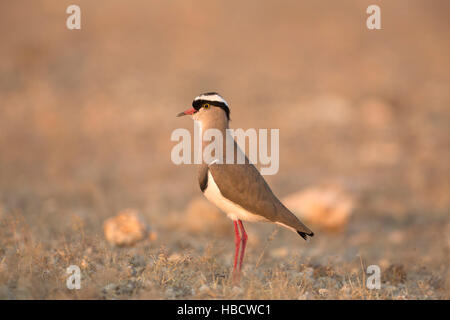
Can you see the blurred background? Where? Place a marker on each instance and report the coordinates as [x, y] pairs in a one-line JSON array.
[[86, 117]]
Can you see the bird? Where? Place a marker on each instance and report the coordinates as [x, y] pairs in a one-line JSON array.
[[238, 189]]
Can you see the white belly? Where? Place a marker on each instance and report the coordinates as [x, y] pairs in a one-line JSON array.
[[233, 211]]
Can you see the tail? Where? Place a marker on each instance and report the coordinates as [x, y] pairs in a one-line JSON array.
[[305, 235], [290, 220]]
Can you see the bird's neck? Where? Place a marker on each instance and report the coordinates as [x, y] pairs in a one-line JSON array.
[[227, 140], [219, 123]]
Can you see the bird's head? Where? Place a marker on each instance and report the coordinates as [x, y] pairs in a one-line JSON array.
[[208, 105]]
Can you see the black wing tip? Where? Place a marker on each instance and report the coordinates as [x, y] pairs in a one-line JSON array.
[[305, 235]]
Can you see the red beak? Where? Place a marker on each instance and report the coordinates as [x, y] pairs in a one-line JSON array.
[[187, 112]]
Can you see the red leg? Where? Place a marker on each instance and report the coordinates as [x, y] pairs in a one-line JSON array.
[[237, 242], [244, 243]]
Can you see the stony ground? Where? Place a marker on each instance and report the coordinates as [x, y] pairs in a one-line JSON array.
[[85, 124], [278, 265]]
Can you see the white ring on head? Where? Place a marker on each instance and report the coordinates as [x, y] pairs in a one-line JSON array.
[[212, 97]]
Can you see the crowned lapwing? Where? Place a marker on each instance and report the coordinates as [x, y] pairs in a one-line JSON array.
[[237, 189]]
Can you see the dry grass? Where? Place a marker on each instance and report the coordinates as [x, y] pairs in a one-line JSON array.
[[85, 124], [187, 267]]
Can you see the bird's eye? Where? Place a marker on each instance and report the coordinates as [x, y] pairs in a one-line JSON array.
[[206, 106]]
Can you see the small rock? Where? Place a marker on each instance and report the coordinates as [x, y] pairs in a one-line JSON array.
[[323, 292], [125, 229], [327, 207], [175, 257]]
